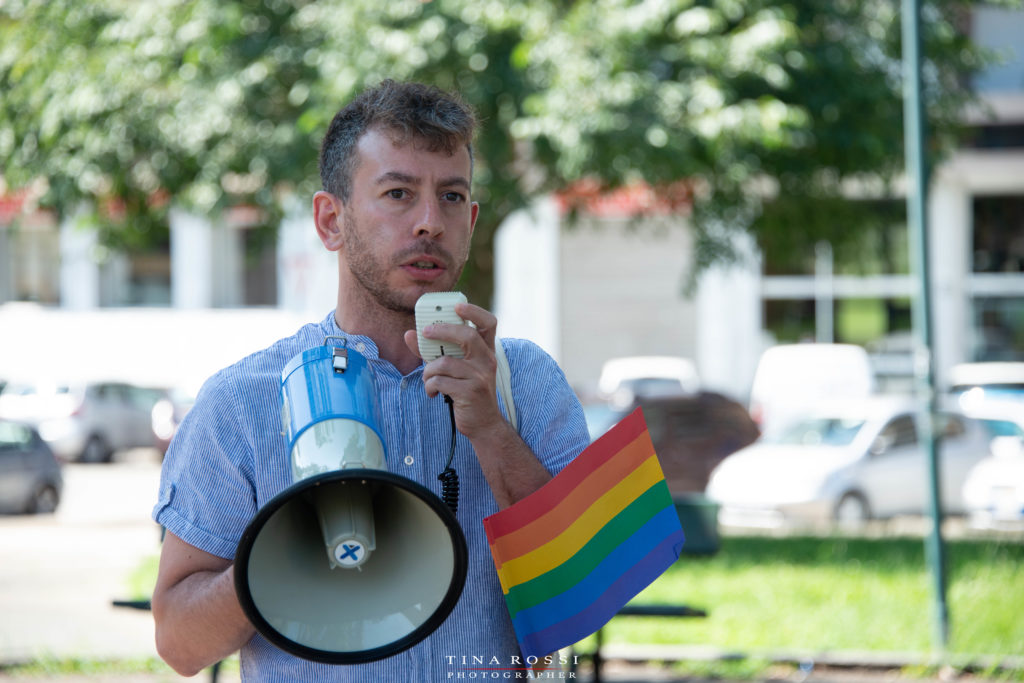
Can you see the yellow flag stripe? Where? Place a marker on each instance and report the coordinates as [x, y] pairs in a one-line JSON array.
[[593, 519]]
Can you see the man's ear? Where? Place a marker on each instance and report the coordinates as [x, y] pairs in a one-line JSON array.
[[328, 214], [474, 214]]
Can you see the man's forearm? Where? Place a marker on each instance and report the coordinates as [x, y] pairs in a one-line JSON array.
[[199, 620], [510, 467]]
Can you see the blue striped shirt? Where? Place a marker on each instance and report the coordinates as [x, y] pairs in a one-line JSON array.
[[229, 458]]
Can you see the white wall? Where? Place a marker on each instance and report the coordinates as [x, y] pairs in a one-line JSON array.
[[527, 297], [207, 262], [155, 346], [307, 274], [79, 271], [949, 253], [622, 294], [191, 260], [729, 331]]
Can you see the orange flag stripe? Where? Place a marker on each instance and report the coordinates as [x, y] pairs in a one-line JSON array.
[[538, 503], [555, 521]]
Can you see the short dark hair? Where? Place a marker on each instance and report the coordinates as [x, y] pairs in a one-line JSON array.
[[433, 117]]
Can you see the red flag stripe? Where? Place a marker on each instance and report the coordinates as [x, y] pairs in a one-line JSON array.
[[540, 502], [571, 508]]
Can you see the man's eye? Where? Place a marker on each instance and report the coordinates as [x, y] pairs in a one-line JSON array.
[[396, 194], [453, 197]]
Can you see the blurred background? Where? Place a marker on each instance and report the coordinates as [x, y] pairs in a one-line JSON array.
[[698, 207]]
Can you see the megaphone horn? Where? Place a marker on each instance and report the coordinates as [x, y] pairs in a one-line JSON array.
[[351, 563]]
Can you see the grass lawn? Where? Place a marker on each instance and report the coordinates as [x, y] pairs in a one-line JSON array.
[[767, 595], [838, 594]]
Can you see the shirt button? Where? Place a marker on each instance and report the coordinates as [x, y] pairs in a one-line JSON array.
[[409, 460], [361, 347]]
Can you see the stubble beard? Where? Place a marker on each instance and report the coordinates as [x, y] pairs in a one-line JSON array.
[[371, 273]]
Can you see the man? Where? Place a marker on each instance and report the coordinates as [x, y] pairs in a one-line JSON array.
[[396, 168]]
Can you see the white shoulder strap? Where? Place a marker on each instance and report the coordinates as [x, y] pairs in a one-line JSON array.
[[504, 382]]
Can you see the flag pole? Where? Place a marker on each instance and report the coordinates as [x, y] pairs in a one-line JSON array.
[[917, 224]]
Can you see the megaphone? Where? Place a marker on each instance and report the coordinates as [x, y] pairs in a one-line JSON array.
[[351, 563]]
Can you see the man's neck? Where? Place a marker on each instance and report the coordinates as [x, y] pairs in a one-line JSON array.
[[386, 329]]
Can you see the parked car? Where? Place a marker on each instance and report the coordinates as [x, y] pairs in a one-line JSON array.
[[792, 378], [989, 380], [846, 462], [84, 422], [167, 414], [691, 434], [623, 379], [994, 489], [1001, 416], [30, 476]]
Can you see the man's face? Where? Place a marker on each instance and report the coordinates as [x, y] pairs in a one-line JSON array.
[[408, 220]]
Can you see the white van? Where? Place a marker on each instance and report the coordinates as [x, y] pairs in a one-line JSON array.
[[623, 379], [991, 380], [791, 379]]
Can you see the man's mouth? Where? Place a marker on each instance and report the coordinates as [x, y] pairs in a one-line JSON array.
[[424, 267]]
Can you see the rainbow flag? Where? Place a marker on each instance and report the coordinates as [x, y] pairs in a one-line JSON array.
[[571, 554]]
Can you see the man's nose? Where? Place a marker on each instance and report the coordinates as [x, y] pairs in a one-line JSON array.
[[429, 222]]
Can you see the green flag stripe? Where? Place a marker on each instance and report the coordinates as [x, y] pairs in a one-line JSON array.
[[612, 534]]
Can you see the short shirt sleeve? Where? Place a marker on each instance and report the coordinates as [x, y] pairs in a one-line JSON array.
[[207, 495]]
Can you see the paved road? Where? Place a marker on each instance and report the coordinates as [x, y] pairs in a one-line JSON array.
[[59, 573]]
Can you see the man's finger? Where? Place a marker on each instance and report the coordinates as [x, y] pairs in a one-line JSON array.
[[485, 321], [470, 339]]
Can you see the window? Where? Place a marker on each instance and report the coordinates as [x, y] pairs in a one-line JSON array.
[[14, 436], [998, 242], [822, 432], [900, 432], [950, 426], [996, 428], [998, 329]]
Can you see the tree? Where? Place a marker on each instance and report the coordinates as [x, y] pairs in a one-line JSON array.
[[749, 115], [767, 107]]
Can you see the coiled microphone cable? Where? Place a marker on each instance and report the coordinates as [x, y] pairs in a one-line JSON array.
[[449, 478]]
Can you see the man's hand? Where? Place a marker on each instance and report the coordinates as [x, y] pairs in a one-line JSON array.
[[511, 468], [468, 381]]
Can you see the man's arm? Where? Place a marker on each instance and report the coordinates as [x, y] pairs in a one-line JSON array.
[[199, 620], [512, 470]]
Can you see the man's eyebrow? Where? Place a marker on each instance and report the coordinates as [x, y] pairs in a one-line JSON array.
[[397, 177], [455, 181], [406, 179]]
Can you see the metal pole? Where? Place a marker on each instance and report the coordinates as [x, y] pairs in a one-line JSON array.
[[917, 192], [824, 294]]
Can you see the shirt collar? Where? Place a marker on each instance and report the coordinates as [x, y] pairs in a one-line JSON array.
[[357, 342]]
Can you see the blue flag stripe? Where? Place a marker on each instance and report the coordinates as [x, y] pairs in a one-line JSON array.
[[611, 567], [594, 616]]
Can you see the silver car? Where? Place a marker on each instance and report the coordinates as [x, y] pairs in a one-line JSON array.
[[30, 476], [85, 422], [994, 489], [846, 463]]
